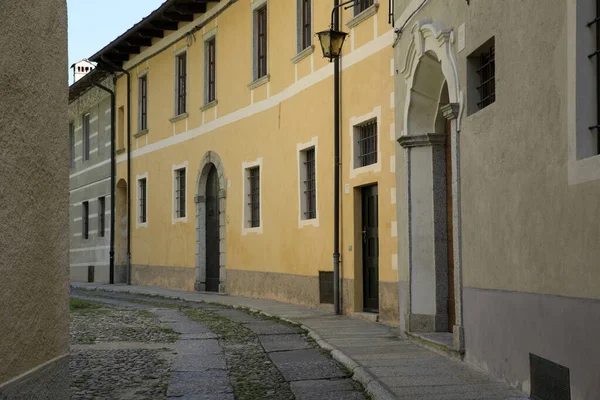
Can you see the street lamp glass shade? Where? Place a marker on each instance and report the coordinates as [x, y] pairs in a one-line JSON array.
[[331, 43]]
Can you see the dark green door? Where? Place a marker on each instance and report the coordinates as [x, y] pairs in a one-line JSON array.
[[212, 231], [370, 248]]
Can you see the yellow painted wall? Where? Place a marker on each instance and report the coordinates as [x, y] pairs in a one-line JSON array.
[[267, 122]]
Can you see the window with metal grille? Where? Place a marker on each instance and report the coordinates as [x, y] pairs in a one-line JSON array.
[[596, 55], [261, 42], [487, 78], [86, 137], [101, 216], [306, 24], [85, 215], [72, 143], [367, 143], [310, 185], [211, 93], [362, 5], [143, 103], [142, 200], [254, 196], [181, 84], [180, 193]]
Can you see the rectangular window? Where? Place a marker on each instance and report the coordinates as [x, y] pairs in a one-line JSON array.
[[367, 143], [72, 143], [595, 55], [254, 196], [142, 200], [487, 78], [101, 216], [181, 84], [261, 42], [306, 27], [121, 136], [180, 193], [86, 137], [309, 185], [85, 217], [143, 103], [211, 93], [362, 5]]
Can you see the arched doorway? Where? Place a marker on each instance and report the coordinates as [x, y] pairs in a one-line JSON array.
[[430, 139], [210, 225], [121, 232]]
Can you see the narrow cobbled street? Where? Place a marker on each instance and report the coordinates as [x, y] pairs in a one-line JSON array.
[[137, 347]]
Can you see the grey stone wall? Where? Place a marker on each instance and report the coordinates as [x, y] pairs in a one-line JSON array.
[[33, 194]]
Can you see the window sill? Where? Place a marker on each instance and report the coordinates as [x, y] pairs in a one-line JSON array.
[[303, 54], [120, 151], [369, 12], [314, 222], [208, 106], [255, 230], [259, 82], [177, 220], [178, 117], [140, 133], [141, 225]]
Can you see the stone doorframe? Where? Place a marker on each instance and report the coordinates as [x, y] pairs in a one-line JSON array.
[[209, 160], [429, 64]]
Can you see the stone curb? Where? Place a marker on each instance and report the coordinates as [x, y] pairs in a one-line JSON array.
[[375, 389]]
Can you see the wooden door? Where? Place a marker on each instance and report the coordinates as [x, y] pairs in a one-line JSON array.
[[370, 248], [450, 228], [212, 231]]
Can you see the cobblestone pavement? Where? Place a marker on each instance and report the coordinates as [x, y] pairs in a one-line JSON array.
[[221, 353]]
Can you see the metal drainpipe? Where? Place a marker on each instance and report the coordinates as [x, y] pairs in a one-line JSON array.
[[113, 102], [121, 69], [336, 174]]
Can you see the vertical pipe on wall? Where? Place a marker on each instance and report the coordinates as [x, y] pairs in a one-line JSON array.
[[129, 187], [113, 102], [336, 174]]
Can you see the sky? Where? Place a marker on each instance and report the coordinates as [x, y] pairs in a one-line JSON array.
[[95, 23]]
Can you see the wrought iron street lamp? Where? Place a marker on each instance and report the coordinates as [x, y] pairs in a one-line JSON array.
[[332, 41]]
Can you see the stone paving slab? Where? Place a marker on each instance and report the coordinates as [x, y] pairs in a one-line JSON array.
[[198, 347], [189, 327], [237, 316], [283, 342], [193, 363], [207, 382], [333, 389], [309, 364], [271, 328], [213, 396], [198, 336]]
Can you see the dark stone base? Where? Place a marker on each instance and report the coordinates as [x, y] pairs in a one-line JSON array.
[[50, 381], [428, 323]]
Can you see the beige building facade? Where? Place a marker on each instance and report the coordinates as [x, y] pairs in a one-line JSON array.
[[34, 313], [498, 177]]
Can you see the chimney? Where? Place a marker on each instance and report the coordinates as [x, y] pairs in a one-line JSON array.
[[81, 69]]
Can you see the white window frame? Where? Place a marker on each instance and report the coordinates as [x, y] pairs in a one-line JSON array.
[[174, 218], [208, 36], [143, 74], [138, 194], [177, 53], [582, 167], [301, 155], [299, 29], [256, 5], [246, 165], [86, 136], [354, 124]]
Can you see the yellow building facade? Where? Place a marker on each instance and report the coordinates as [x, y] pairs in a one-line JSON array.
[[267, 123]]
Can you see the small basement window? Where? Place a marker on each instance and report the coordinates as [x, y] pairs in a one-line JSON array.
[[481, 77]]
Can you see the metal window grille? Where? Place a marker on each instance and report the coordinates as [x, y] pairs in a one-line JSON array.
[[306, 24], [85, 208], [362, 5], [487, 78], [254, 196], [367, 143], [142, 200], [180, 193], [143, 82], [310, 187], [181, 83], [86, 137], [596, 54], [211, 70], [72, 143], [101, 216], [261, 44]]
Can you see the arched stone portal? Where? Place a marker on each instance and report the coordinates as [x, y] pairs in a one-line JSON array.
[[211, 192], [432, 115]]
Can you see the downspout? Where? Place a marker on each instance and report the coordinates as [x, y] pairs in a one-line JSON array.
[[336, 169], [113, 102], [120, 69]]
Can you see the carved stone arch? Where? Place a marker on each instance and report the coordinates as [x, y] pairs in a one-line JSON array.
[[433, 94], [211, 159]]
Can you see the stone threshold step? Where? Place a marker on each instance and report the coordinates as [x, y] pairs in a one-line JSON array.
[[440, 342]]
